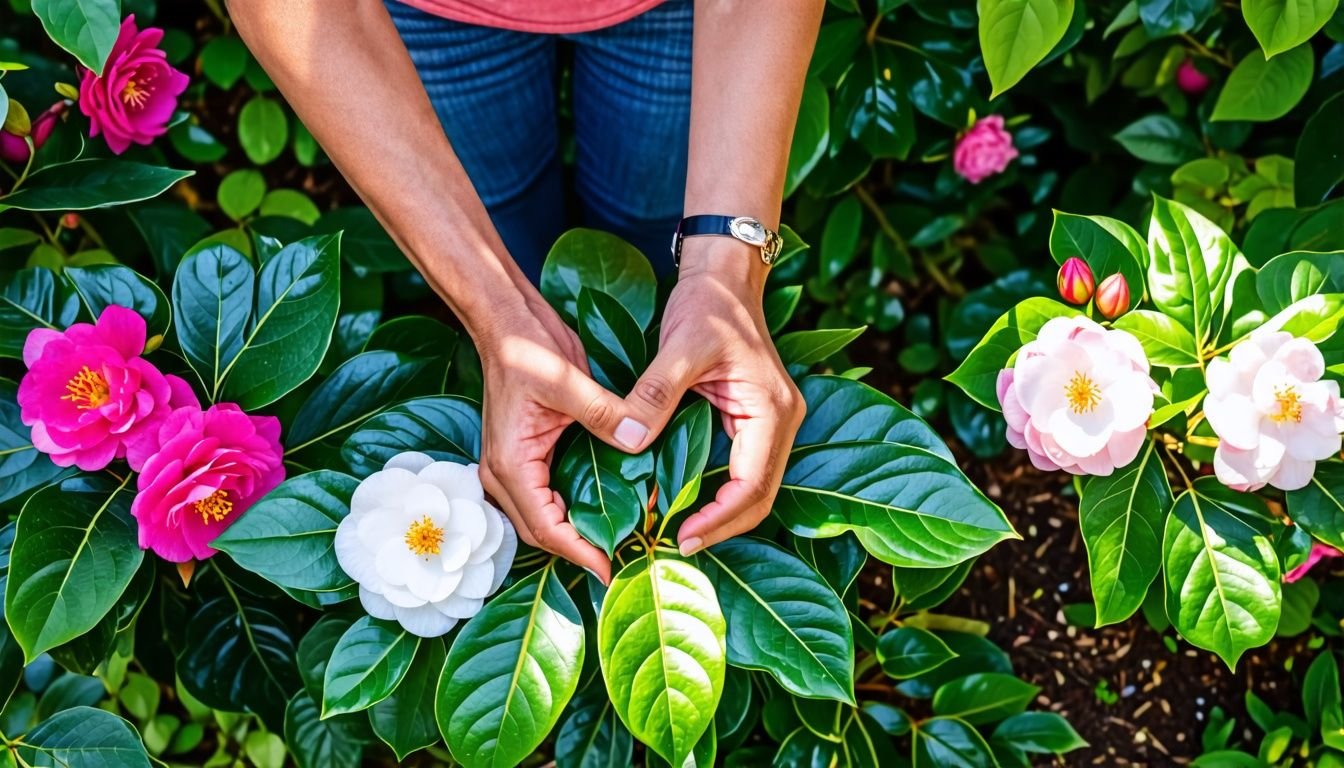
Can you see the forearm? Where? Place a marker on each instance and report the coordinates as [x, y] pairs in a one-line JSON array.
[[347, 74], [749, 62]]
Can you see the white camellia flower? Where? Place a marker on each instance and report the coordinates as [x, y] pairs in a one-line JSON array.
[[1274, 416], [423, 543]]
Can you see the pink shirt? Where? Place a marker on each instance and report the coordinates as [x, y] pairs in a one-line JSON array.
[[549, 16]]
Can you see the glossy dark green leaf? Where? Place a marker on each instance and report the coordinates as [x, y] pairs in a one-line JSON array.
[[840, 237], [925, 588], [92, 183], [239, 657], [975, 655], [1319, 169], [510, 672], [1281, 25], [780, 305], [263, 129], [782, 618], [1121, 519], [315, 648], [367, 664], [212, 301], [1321, 697], [937, 88], [87, 29], [660, 641], [840, 410], [810, 347], [587, 258], [866, 743], [837, 560], [680, 457], [985, 697], [1192, 261], [22, 467], [318, 743], [613, 340], [104, 285], [979, 372], [359, 389], [1016, 34], [948, 742], [365, 245], [805, 749], [82, 736], [1222, 576], [599, 485], [911, 651], [811, 134], [288, 537], [1170, 17], [405, 719], [1291, 277], [874, 107], [1260, 90], [445, 428], [1319, 507], [1160, 139], [74, 552], [1043, 733], [29, 299], [592, 735]]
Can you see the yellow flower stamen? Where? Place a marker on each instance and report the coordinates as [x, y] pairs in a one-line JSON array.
[[1082, 393], [1290, 404], [87, 389], [424, 537], [133, 94], [215, 507]]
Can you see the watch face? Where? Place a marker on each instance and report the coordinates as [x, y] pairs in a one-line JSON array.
[[748, 230]]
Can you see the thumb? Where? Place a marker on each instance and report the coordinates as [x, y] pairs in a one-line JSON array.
[[601, 412], [653, 400]]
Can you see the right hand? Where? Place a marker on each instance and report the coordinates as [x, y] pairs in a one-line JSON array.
[[537, 382]]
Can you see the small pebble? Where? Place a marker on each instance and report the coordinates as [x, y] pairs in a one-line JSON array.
[[1199, 716], [1147, 664], [1127, 691], [1199, 701], [1064, 587]]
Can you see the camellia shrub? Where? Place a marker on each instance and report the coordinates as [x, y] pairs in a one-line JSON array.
[[1219, 369]]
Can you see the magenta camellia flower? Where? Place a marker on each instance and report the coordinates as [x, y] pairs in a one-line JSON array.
[[210, 467], [1075, 281], [984, 150], [1113, 296], [134, 98], [1078, 398], [1190, 79], [13, 148], [1273, 415], [89, 396]]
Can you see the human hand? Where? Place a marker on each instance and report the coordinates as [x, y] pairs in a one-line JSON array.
[[537, 383], [715, 342]]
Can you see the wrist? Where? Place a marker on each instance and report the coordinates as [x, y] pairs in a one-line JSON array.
[[733, 263]]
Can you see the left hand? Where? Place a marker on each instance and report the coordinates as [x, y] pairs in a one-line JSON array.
[[714, 341]]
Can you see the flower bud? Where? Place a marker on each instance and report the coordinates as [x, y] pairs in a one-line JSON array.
[[1190, 79], [1075, 281], [1113, 296]]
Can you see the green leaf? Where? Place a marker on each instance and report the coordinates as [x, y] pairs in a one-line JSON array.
[[1015, 35], [212, 301], [911, 651], [29, 298], [223, 60], [360, 388], [315, 650], [984, 697], [405, 719], [22, 467], [1107, 245], [318, 743], [103, 285], [75, 552], [263, 129], [1165, 341], [239, 657], [838, 560], [445, 428], [680, 457], [872, 102], [598, 483], [592, 735], [91, 183], [1260, 90], [947, 742], [86, 28], [660, 640], [1172, 17], [1318, 169], [298, 290], [840, 410], [1319, 507], [240, 193], [1160, 139], [784, 619], [290, 203], [1320, 690], [510, 672], [82, 736], [1294, 276], [811, 134], [365, 244], [978, 374], [367, 664], [288, 537], [1042, 733], [811, 347], [866, 743], [1316, 317], [1222, 576], [840, 237], [1192, 261], [1121, 521], [1281, 25], [588, 258], [613, 340]]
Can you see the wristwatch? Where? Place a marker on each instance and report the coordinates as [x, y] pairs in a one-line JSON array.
[[745, 228]]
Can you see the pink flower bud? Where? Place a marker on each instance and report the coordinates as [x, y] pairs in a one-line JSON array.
[[13, 149], [1190, 79], [1113, 296], [70, 221], [1075, 281]]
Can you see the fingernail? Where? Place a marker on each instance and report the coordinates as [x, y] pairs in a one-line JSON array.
[[690, 546], [631, 433]]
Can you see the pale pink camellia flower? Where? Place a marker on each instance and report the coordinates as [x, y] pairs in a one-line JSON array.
[[89, 396], [1273, 415], [1319, 552], [984, 150], [1078, 397], [133, 100], [210, 467], [13, 148], [1190, 79]]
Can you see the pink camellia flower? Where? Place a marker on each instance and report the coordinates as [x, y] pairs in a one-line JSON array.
[[1113, 296], [13, 149], [984, 150], [210, 467], [1190, 79], [1075, 281], [1078, 398], [135, 96], [89, 396], [1319, 552], [1273, 415]]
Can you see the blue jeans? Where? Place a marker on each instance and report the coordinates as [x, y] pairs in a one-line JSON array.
[[495, 92]]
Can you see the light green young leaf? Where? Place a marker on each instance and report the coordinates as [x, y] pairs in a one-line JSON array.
[[1015, 35], [1261, 89], [1281, 25]]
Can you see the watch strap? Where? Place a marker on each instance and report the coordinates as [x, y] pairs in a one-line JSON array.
[[716, 224]]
